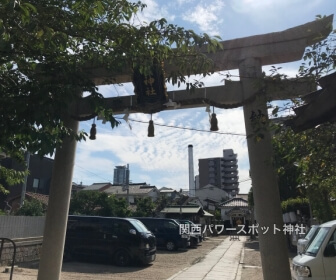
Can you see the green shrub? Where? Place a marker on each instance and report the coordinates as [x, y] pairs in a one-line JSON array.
[[31, 208], [293, 204]]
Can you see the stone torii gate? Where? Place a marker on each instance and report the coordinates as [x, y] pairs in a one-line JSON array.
[[246, 54]]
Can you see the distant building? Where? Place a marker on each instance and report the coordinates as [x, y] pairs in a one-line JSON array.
[[168, 193], [211, 196], [37, 181], [97, 187], [220, 172], [76, 188], [235, 211], [132, 192], [121, 175]]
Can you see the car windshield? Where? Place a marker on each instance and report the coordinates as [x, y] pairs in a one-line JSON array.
[[311, 233], [171, 224], [139, 226], [317, 241], [186, 222]]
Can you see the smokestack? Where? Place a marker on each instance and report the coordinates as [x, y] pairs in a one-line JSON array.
[[191, 172]]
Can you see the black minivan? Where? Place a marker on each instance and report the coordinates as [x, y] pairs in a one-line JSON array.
[[121, 239], [167, 232]]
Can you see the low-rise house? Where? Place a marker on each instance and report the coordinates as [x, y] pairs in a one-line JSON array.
[[169, 193], [133, 191], [234, 212], [211, 196], [13, 203], [98, 187], [186, 212]]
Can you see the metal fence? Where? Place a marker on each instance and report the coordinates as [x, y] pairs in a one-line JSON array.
[[21, 226]]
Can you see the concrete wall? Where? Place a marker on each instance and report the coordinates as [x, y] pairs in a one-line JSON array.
[[27, 250], [27, 234], [21, 226]]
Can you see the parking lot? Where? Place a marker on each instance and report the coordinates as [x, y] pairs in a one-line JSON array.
[[165, 266]]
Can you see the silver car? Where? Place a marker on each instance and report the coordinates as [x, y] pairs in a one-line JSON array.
[[302, 242]]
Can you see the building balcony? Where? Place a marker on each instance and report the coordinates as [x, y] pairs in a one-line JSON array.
[[230, 162], [230, 168], [229, 174]]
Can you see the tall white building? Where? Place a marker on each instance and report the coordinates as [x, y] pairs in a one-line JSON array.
[[221, 172]]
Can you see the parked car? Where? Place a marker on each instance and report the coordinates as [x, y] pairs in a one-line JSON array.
[[318, 260], [167, 233], [302, 242], [195, 231], [121, 239]]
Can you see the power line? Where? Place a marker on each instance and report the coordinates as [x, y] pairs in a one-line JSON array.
[[245, 180], [188, 128], [94, 174]]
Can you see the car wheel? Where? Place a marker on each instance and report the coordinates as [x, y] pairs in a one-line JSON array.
[[122, 258], [170, 246]]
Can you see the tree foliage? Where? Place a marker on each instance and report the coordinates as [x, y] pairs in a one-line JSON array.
[[305, 161], [98, 204], [11, 177], [31, 208], [144, 207], [162, 202], [306, 167], [48, 50]]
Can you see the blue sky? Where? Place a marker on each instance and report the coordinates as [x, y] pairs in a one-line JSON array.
[[163, 160]]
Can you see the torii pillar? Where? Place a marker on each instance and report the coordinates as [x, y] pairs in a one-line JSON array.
[[272, 243]]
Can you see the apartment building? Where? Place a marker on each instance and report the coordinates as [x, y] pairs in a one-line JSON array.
[[221, 172]]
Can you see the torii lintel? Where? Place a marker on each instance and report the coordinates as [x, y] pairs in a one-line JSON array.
[[271, 48], [277, 47]]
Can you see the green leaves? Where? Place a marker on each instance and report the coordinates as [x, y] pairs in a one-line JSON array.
[[31, 208], [144, 207], [98, 204], [306, 166], [11, 177], [50, 48]]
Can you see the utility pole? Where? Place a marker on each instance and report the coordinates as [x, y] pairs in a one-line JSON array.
[[24, 185]]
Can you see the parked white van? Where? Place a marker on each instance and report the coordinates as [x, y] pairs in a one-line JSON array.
[[318, 262]]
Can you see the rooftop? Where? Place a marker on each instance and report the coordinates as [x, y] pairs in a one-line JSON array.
[[235, 202], [133, 189], [44, 199]]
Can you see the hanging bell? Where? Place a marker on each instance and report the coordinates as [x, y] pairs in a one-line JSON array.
[[93, 132], [151, 129], [213, 123]]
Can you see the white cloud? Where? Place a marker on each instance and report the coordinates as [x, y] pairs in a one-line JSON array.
[[155, 10], [273, 15], [207, 15]]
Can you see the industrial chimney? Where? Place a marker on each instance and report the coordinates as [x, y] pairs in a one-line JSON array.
[[191, 172]]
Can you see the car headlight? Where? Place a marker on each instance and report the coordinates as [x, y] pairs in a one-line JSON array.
[[303, 271], [147, 246]]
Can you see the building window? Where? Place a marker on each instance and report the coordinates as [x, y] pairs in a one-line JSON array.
[[36, 183]]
